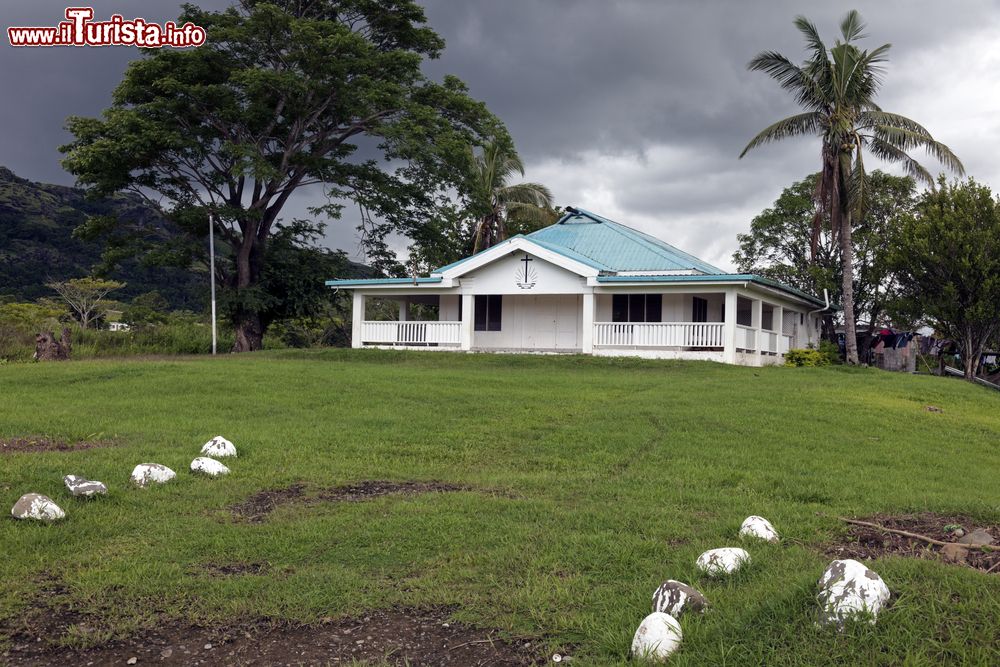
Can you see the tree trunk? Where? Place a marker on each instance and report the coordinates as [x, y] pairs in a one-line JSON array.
[[847, 259], [247, 323], [970, 356], [249, 333]]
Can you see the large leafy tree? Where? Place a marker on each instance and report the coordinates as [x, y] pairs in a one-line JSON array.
[[499, 203], [837, 87], [782, 244], [85, 296], [947, 258], [284, 94]]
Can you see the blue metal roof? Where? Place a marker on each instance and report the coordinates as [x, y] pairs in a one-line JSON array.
[[611, 246], [724, 277], [359, 282]]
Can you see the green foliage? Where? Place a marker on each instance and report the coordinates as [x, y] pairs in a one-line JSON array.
[[779, 243], [947, 259], [831, 351], [19, 322], [496, 202], [588, 482], [85, 296], [232, 129], [838, 88], [38, 244], [806, 357], [145, 309], [181, 333]]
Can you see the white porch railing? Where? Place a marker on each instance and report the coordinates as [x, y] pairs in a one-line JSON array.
[[411, 333], [658, 334], [746, 338], [786, 343], [769, 341]]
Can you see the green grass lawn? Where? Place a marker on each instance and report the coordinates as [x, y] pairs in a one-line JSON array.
[[590, 482]]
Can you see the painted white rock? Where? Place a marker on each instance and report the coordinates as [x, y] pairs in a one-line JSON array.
[[848, 589], [145, 474], [722, 561], [658, 636], [675, 598], [208, 466], [38, 507], [759, 528], [218, 447], [83, 487]]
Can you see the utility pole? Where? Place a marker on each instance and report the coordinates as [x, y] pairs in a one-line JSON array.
[[211, 272]]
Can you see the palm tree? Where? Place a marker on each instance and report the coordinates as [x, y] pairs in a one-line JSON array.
[[499, 201], [837, 88]]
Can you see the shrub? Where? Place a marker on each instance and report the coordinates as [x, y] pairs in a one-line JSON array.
[[831, 351], [799, 357]]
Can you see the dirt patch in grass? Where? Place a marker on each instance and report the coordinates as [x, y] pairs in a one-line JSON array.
[[42, 444], [256, 508], [374, 488], [398, 637], [864, 542], [231, 569]]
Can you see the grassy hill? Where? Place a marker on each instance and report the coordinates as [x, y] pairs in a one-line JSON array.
[[37, 244], [571, 487]]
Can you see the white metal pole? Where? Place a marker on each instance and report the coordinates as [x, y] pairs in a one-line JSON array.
[[211, 270]]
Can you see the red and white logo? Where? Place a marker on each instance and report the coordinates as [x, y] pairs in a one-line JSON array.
[[79, 29]]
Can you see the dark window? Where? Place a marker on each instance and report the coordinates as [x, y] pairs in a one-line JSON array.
[[654, 307], [488, 311], [699, 309], [619, 308], [636, 307]]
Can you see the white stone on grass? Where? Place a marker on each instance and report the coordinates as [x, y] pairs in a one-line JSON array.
[[83, 487], [208, 466], [760, 528], [145, 474], [38, 507], [657, 637], [849, 590], [675, 598], [725, 560], [218, 447]]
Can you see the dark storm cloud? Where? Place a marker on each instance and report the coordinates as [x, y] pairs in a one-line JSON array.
[[636, 109]]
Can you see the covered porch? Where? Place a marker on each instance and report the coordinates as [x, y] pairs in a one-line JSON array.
[[730, 325]]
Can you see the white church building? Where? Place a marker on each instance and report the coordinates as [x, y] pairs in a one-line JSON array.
[[588, 285]]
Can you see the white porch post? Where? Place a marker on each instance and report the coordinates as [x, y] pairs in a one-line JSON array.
[[778, 324], [729, 328], [587, 335], [756, 321], [357, 317], [468, 318]]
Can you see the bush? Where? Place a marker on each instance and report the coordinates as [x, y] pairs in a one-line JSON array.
[[831, 351], [179, 336], [801, 357]]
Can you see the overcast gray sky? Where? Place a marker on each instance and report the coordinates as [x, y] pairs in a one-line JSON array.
[[636, 110]]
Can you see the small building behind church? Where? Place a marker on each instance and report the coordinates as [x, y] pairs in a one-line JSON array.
[[589, 285]]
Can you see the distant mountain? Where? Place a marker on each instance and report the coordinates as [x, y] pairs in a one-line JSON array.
[[37, 244]]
